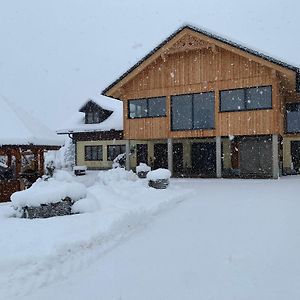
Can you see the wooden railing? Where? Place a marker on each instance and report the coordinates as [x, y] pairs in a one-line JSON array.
[[7, 188]]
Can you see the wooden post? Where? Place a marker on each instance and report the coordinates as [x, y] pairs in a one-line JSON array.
[[218, 157], [170, 155], [18, 156], [9, 157], [275, 156], [41, 162], [127, 153]]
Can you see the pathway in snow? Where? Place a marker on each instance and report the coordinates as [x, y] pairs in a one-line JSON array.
[[234, 240]]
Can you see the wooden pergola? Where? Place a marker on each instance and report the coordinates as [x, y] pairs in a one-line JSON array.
[[35, 166]]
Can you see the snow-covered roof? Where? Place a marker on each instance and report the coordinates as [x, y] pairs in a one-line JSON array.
[[115, 121], [19, 127]]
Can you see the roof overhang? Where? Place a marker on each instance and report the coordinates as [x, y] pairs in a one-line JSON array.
[[293, 73]]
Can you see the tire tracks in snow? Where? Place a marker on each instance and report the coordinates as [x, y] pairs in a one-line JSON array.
[[72, 258]]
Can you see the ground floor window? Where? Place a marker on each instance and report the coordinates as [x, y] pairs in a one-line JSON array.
[[93, 153], [114, 150]]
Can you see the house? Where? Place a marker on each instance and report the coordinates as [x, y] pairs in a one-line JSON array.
[[23, 142], [202, 105], [97, 131]]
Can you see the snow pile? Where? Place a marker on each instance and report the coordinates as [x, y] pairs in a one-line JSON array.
[[115, 176], [143, 168], [48, 191], [159, 174]]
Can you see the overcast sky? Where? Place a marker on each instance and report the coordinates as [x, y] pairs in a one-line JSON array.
[[56, 54]]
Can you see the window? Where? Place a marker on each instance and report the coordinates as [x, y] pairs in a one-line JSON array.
[[151, 107], [246, 99], [93, 153], [292, 117], [92, 117], [114, 150], [193, 111]]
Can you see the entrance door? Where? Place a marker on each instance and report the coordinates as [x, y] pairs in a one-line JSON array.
[[295, 153], [141, 154], [203, 158], [160, 156], [178, 158]]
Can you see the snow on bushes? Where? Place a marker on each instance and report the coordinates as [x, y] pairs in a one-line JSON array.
[[143, 168], [51, 190], [159, 174], [115, 176]]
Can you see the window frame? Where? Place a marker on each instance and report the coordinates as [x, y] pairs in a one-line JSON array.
[[286, 119], [192, 101], [98, 147], [108, 154], [147, 105], [245, 99]]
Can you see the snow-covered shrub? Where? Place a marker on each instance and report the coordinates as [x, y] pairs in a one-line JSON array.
[[85, 205], [159, 178], [142, 170], [119, 161], [115, 176], [159, 174], [52, 190]]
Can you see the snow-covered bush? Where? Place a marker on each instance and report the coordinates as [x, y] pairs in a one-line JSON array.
[[115, 176], [159, 174], [159, 179], [119, 161], [143, 168], [52, 190]]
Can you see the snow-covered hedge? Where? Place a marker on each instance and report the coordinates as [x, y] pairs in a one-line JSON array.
[[53, 190], [143, 168], [159, 174], [115, 176]]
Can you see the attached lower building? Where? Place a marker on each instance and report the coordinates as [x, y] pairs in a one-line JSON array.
[[97, 132]]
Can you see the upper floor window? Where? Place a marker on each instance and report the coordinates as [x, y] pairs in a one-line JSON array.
[[193, 111], [92, 117], [246, 99], [144, 108], [93, 153], [292, 117]]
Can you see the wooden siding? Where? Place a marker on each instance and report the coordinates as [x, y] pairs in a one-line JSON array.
[[201, 71]]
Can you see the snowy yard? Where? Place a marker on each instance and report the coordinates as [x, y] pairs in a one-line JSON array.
[[199, 239]]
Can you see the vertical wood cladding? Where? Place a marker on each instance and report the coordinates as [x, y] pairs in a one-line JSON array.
[[202, 71]]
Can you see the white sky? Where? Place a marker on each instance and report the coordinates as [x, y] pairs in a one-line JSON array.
[[55, 54]]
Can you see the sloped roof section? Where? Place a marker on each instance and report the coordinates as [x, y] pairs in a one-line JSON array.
[[114, 122], [217, 38], [19, 127]]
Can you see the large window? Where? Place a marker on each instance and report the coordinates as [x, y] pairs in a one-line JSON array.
[[151, 107], [292, 117], [193, 111], [246, 99], [93, 153], [114, 150]]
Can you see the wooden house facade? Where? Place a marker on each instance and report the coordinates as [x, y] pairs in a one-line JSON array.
[[205, 106]]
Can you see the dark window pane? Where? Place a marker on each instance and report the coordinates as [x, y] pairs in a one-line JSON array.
[[93, 153], [89, 118], [114, 150], [182, 112], [100, 153], [259, 97], [293, 117], [233, 100], [138, 108], [157, 107], [204, 110]]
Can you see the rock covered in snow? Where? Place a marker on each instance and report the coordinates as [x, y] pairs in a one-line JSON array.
[[52, 190], [159, 174]]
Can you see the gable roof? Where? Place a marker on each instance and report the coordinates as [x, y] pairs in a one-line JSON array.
[[77, 124], [19, 127], [216, 38]]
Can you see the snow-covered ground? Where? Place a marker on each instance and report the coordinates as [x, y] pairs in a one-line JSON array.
[[199, 239]]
